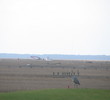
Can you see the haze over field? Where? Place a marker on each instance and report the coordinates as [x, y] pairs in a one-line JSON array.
[[55, 57], [55, 27]]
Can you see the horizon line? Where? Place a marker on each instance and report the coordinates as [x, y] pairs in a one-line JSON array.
[[57, 54]]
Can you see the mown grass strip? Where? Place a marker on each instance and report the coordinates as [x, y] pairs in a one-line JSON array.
[[58, 94]]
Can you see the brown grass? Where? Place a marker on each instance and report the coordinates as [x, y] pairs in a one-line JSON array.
[[17, 75]]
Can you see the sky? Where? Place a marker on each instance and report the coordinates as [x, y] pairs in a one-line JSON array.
[[78, 27]]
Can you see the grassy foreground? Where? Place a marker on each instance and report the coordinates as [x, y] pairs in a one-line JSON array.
[[58, 94]]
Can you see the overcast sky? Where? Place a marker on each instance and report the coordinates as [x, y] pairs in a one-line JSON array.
[[55, 27]]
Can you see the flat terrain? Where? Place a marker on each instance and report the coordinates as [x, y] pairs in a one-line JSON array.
[[58, 94], [31, 74]]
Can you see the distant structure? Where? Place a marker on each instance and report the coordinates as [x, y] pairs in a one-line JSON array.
[[29, 65], [36, 57], [47, 59], [75, 80], [39, 58]]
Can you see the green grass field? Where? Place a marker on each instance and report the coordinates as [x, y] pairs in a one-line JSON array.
[[58, 94]]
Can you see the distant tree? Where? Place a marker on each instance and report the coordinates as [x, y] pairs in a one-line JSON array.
[[53, 73], [58, 73], [78, 72]]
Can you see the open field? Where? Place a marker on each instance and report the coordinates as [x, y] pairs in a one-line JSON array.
[[58, 94], [31, 74]]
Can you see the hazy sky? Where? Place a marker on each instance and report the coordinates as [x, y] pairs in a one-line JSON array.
[[55, 27]]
